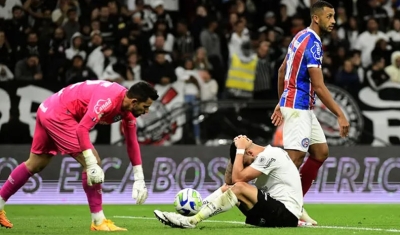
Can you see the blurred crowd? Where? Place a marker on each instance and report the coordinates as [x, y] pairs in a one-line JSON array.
[[220, 49]]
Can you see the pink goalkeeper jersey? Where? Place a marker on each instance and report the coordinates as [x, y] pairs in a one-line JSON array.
[[93, 102]]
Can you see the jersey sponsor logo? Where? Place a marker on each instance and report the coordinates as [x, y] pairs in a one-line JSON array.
[[305, 142], [316, 51], [102, 105], [329, 122], [132, 122], [269, 162]]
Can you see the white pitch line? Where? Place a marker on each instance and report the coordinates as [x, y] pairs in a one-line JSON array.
[[238, 222]]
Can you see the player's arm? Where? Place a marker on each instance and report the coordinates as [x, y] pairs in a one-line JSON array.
[[228, 174], [139, 190], [317, 82], [281, 78], [97, 107], [242, 174], [239, 172]]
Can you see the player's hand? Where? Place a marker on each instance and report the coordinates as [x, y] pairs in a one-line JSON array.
[[95, 175], [277, 117], [344, 126], [139, 190], [242, 142]]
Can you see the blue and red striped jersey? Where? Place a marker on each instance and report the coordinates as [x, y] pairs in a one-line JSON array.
[[304, 51]]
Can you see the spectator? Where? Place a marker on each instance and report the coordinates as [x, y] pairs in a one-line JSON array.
[[376, 75], [381, 51], [56, 55], [161, 29], [200, 60], [199, 22], [32, 47], [394, 34], [17, 28], [241, 75], [262, 82], [160, 71], [270, 24], [160, 14], [159, 45], [78, 71], [100, 59], [107, 27], [5, 73], [238, 37], [347, 77], [209, 91], [134, 68], [5, 51], [285, 21], [71, 26], [6, 8], [184, 43], [96, 41], [373, 10], [366, 41], [29, 69], [393, 70], [15, 131], [141, 16], [349, 32], [76, 45], [60, 15]]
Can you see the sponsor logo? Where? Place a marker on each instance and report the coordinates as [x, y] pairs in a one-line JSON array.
[[102, 105], [316, 51]]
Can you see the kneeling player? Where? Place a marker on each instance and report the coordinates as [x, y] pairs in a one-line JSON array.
[[276, 201]]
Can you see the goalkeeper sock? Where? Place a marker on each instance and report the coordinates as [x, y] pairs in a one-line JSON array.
[[94, 196], [18, 177], [212, 196], [220, 204]]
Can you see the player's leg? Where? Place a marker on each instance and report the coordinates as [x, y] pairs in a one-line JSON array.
[[95, 199], [215, 194], [296, 133], [42, 151], [67, 143], [318, 154]]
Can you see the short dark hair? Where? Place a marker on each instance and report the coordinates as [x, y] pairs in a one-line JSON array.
[[319, 5], [232, 152], [142, 91]]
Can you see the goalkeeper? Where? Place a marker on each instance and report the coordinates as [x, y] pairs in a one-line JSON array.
[[63, 122]]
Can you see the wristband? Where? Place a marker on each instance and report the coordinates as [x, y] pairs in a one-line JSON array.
[[90, 159], [240, 151], [138, 172]]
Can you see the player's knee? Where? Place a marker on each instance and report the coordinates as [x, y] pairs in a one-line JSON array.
[[320, 152], [36, 163], [238, 188]]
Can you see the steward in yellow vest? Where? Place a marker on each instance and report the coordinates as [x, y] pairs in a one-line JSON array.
[[242, 74]]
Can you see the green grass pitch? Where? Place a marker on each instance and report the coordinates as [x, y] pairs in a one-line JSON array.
[[75, 220]]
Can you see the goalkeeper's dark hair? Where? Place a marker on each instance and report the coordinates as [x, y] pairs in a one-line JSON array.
[[232, 152], [142, 91], [318, 6]]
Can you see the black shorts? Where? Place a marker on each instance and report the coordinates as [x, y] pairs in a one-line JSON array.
[[269, 213]]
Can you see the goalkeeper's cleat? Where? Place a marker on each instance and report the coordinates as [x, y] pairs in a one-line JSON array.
[[178, 220], [4, 222], [106, 225], [306, 218]]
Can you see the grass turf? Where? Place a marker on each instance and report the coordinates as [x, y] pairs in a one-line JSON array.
[[71, 219]]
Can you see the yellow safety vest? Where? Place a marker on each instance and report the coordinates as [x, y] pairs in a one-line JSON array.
[[241, 75]]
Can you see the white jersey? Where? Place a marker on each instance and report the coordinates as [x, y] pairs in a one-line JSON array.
[[280, 178]]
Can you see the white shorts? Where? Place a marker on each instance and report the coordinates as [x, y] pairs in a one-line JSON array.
[[301, 129]]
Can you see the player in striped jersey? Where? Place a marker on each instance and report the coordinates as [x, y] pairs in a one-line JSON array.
[[300, 80]]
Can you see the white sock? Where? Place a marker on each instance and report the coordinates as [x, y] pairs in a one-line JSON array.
[[2, 203], [98, 217], [212, 196], [220, 204]]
